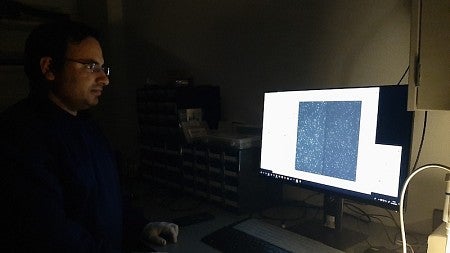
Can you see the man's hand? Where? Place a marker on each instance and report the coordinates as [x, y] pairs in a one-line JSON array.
[[155, 231]]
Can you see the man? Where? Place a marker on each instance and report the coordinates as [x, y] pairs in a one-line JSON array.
[[60, 185]]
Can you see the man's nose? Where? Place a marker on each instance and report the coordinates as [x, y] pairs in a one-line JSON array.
[[103, 79]]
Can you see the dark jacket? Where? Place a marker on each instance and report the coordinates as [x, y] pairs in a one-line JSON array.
[[60, 186]]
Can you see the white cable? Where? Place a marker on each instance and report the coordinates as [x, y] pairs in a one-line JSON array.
[[402, 196], [447, 242], [446, 214]]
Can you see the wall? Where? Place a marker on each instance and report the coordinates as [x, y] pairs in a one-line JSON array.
[[248, 47], [254, 46]]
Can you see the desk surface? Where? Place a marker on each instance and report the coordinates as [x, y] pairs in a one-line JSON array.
[[162, 205], [189, 238]]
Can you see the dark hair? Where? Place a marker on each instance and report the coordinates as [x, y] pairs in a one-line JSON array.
[[51, 40]]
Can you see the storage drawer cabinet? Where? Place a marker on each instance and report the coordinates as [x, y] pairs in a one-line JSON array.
[[222, 173]]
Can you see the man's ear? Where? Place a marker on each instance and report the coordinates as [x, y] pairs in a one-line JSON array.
[[47, 68]]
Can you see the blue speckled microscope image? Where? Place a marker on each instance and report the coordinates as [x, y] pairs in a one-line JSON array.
[[327, 138]]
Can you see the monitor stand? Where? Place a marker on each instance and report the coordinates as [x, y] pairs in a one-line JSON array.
[[330, 230]]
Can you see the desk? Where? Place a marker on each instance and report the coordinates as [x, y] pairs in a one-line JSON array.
[[160, 205], [189, 238]]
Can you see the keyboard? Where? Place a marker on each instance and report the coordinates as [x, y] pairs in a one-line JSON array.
[[255, 236]]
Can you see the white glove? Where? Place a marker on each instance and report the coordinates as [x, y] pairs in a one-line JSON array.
[[155, 231]]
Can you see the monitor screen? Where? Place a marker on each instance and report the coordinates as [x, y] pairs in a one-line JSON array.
[[351, 142]]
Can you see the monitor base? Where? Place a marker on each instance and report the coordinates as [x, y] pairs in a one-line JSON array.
[[341, 239]]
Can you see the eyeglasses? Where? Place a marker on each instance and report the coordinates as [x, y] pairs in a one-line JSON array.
[[92, 66]]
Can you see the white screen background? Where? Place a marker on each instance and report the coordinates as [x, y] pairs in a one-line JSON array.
[[378, 166]]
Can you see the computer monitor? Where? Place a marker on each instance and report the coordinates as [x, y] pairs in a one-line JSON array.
[[349, 143]]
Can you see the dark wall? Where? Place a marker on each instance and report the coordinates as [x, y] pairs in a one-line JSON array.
[[248, 47]]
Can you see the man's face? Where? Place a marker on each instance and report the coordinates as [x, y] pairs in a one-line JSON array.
[[77, 87]]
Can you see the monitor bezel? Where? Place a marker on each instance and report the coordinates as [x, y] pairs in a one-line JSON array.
[[345, 193]]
